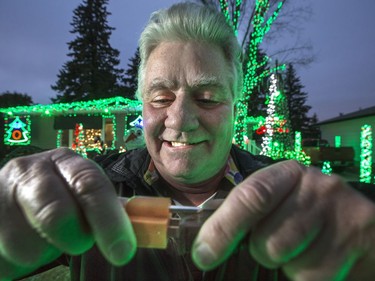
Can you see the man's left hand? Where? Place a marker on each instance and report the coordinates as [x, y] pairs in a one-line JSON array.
[[313, 226]]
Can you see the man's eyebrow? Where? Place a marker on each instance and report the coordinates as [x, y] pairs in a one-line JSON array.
[[159, 84], [198, 83], [206, 81]]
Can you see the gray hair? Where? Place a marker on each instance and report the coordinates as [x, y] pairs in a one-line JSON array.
[[191, 22]]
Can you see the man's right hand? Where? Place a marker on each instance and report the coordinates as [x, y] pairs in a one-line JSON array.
[[58, 202]]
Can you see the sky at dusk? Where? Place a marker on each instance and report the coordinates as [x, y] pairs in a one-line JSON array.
[[34, 36]]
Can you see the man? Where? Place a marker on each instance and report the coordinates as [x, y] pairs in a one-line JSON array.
[[56, 207]]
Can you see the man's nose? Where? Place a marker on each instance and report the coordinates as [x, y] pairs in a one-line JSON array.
[[182, 115]]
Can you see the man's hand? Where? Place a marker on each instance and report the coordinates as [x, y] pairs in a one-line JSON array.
[[311, 225], [57, 202]]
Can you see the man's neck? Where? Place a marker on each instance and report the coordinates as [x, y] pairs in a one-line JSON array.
[[194, 194]]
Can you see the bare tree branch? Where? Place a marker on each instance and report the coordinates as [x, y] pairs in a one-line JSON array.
[[288, 27]]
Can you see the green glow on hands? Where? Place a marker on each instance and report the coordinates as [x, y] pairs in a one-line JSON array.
[[344, 271]]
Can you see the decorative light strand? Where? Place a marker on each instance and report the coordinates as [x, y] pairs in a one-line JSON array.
[[236, 11], [252, 76], [277, 139], [327, 168], [267, 140], [110, 105], [103, 107], [365, 168]]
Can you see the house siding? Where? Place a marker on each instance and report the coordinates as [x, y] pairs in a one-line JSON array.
[[42, 133], [350, 132]]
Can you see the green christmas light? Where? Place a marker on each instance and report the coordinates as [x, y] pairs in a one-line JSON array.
[[277, 141], [58, 138], [366, 154], [103, 107], [327, 169], [235, 13], [299, 154], [110, 105], [298, 142], [337, 141], [252, 75], [225, 10]]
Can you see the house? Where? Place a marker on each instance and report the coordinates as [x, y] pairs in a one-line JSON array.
[[87, 123], [347, 129]]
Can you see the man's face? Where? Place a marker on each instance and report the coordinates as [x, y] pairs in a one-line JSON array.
[[188, 111]]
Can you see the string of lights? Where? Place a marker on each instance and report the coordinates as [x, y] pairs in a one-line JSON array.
[[365, 168]]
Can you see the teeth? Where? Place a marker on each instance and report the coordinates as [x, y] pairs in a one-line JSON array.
[[175, 143]]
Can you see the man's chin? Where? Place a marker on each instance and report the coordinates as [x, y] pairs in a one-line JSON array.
[[186, 177]]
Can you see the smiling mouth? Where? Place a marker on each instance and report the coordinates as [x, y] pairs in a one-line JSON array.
[[181, 144], [177, 144]]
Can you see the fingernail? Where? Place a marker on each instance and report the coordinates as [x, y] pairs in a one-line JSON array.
[[121, 251], [203, 256]]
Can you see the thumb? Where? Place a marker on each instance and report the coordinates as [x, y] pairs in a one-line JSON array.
[[246, 204]]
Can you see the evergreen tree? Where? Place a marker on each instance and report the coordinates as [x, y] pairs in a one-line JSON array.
[[9, 99], [131, 75], [313, 130], [296, 97], [92, 71]]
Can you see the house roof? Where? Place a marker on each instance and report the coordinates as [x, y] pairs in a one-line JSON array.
[[105, 106], [370, 111]]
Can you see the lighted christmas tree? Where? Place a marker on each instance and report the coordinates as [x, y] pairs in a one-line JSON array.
[[18, 132], [277, 139]]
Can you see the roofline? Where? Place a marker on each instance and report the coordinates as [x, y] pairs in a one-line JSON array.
[[103, 106], [369, 111]]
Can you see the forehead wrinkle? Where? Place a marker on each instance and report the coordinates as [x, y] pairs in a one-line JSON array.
[[204, 81], [159, 83]]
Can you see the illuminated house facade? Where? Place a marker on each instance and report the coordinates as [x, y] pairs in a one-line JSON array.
[[348, 128], [69, 124]]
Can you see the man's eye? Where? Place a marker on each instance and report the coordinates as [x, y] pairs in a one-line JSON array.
[[161, 102], [208, 101]]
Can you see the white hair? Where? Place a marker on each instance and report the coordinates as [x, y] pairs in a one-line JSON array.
[[191, 22]]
